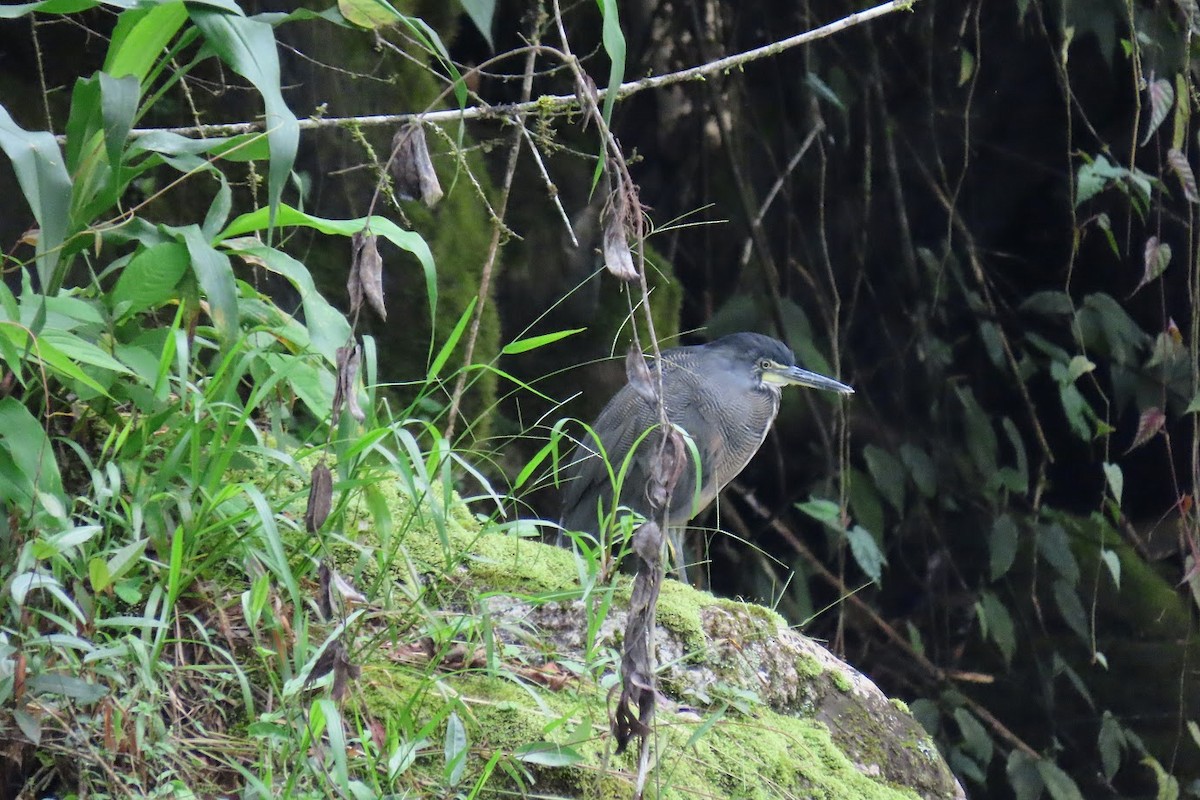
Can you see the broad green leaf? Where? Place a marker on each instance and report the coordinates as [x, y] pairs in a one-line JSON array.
[[534, 342], [42, 176], [1023, 775], [45, 353], [405, 240], [98, 574], [1113, 563], [1111, 743], [481, 13], [1115, 479], [56, 7], [149, 279], [125, 558], [369, 14], [77, 689], [547, 754], [975, 737], [1071, 608], [80, 350], [825, 511], [455, 749], [248, 47], [1054, 546], [118, 103], [889, 474], [326, 327], [1049, 303], [1002, 545], [1019, 480], [214, 273], [30, 464], [998, 624], [866, 552], [140, 38], [921, 468], [864, 502], [1057, 782], [980, 435]]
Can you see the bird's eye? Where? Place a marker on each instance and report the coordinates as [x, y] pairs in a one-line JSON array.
[[764, 363]]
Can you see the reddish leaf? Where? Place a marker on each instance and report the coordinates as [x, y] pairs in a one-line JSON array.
[[1150, 423], [1183, 171], [1162, 97], [1155, 257]]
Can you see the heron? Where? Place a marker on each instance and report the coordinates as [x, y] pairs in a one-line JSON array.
[[724, 395]]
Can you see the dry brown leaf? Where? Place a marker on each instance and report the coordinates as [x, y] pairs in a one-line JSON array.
[[320, 497], [412, 168], [366, 274]]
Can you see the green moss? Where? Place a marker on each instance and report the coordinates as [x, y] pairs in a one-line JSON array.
[[840, 680]]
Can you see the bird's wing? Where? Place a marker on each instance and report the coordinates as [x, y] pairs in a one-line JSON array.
[[626, 417]]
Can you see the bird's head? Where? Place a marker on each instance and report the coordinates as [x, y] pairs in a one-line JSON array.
[[773, 365]]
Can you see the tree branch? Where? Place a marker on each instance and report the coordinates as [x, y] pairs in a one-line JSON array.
[[561, 102]]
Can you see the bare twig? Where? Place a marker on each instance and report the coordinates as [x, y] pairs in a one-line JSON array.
[[498, 228], [558, 103]]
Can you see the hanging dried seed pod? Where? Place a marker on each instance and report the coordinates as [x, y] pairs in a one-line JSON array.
[[412, 167], [366, 274], [617, 255], [347, 374], [320, 497]]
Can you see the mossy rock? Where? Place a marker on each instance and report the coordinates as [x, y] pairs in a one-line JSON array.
[[748, 707]]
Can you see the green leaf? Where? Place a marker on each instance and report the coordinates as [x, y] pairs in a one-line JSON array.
[[326, 327], [866, 552], [998, 624], [42, 176], [149, 279], [1111, 743], [1002, 545], [1048, 303], [125, 558], [98, 574], [248, 47], [547, 754], [975, 737], [140, 37], [54, 7], [214, 273], [76, 689], [1058, 783], [1071, 608], [1019, 480], [1054, 546], [1113, 562], [455, 749], [1115, 479], [864, 501], [534, 342], [46, 354], [826, 511], [118, 104], [980, 435], [405, 240], [481, 13], [889, 475], [448, 346], [1023, 775], [921, 468]]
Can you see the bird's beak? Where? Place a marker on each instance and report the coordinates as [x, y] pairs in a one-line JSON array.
[[794, 376]]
